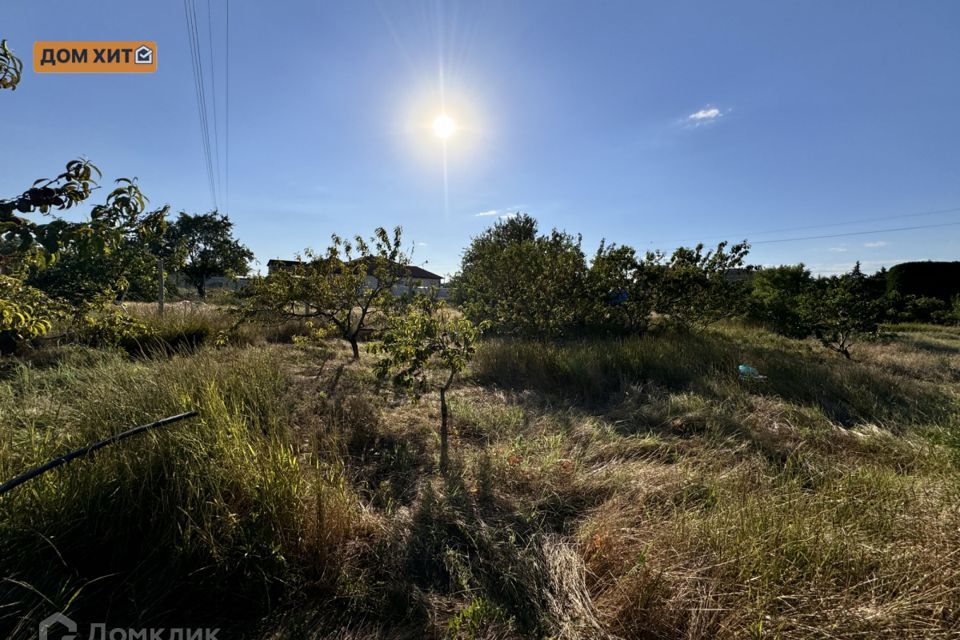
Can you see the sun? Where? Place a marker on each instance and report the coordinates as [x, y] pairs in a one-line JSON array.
[[444, 126]]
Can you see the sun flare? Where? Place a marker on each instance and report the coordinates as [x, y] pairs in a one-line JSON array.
[[444, 126]]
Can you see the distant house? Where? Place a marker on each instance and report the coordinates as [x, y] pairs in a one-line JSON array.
[[275, 264], [740, 274], [214, 282], [414, 278], [225, 282]]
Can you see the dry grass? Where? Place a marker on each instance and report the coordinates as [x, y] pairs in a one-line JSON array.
[[622, 488]]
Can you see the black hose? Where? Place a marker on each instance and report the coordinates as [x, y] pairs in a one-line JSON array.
[[64, 459]]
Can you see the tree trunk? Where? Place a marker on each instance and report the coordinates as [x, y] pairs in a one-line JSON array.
[[202, 289], [444, 451], [355, 346]]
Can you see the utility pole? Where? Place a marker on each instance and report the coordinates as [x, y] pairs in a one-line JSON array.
[[161, 285]]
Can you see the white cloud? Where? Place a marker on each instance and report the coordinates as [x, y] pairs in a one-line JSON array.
[[875, 244], [704, 117], [421, 244], [705, 114], [496, 212], [839, 249]]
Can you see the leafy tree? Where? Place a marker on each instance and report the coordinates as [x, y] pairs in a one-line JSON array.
[[693, 288], [776, 299], [11, 68], [620, 291], [25, 244], [522, 283], [920, 308], [952, 315], [209, 248], [25, 313], [100, 260], [840, 310], [340, 287], [426, 348]]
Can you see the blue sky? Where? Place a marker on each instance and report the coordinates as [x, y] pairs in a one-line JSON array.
[[652, 124]]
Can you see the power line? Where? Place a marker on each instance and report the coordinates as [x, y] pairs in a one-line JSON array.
[[857, 233], [193, 37], [203, 98], [832, 224], [213, 85], [227, 100]]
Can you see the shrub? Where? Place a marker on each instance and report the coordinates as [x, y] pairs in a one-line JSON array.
[[620, 293], [694, 289], [841, 310], [776, 297], [113, 328], [339, 288], [427, 337], [25, 313], [523, 283]]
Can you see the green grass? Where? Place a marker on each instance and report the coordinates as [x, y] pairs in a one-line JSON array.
[[634, 487], [203, 518]]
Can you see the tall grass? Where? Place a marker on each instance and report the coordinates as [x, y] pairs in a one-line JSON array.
[[628, 488], [809, 504], [598, 370], [202, 519]]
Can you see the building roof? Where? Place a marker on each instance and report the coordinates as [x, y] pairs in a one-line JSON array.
[[276, 262], [413, 271], [419, 273]]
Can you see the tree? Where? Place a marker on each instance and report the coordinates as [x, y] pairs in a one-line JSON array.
[[620, 292], [339, 287], [840, 309], [426, 348], [522, 283], [11, 68], [108, 254], [23, 241], [209, 248], [776, 298], [25, 313], [693, 288], [25, 245]]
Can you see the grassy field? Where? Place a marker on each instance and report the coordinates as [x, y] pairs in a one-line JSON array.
[[623, 488]]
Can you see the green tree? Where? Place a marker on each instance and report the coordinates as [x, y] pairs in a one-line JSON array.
[[841, 310], [620, 291], [425, 348], [11, 68], [24, 242], [776, 299], [25, 313], [209, 248], [523, 283], [340, 287], [27, 245], [100, 261], [694, 288]]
